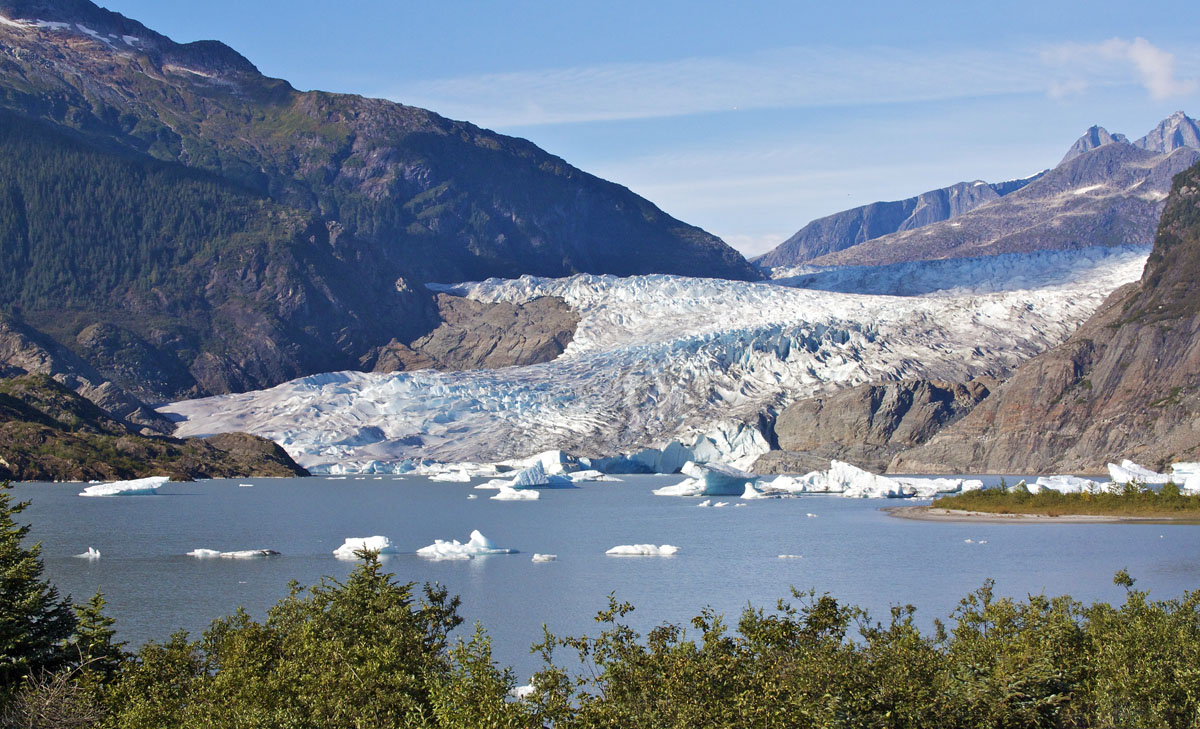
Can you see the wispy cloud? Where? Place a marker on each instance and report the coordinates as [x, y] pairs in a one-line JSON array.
[[792, 78], [781, 78], [1084, 65]]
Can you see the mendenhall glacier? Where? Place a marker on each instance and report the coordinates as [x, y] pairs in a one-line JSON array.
[[660, 360]]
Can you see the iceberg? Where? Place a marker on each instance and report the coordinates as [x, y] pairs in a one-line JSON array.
[[477, 545], [508, 493], [1129, 471], [545, 558], [1069, 485], [91, 553], [927, 488], [136, 487], [245, 485], [643, 550], [709, 479], [239, 554], [352, 545]]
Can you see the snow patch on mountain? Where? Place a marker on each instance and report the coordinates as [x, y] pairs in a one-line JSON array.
[[662, 361]]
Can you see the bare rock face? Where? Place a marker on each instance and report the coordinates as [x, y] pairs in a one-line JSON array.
[[1126, 385], [23, 350], [476, 335], [867, 425]]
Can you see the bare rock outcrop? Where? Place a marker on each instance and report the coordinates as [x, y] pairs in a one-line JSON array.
[[869, 424], [1126, 385], [477, 335]]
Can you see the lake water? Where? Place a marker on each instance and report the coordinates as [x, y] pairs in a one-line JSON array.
[[728, 557]]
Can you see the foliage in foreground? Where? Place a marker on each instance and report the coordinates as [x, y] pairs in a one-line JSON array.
[[1132, 500], [368, 653]]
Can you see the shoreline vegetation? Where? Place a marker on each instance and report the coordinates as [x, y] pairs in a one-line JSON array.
[[373, 652], [1132, 503]]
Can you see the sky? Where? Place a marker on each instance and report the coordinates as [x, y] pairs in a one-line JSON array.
[[747, 119]]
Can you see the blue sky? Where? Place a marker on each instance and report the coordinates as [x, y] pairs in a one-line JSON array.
[[747, 119]]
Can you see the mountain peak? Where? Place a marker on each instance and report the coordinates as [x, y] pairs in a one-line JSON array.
[[85, 18], [1177, 130], [1095, 136]]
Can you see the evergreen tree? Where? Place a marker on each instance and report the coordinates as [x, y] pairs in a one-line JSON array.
[[97, 651], [34, 622]]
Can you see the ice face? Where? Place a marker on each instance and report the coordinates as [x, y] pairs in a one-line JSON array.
[[709, 479], [136, 487], [477, 545], [352, 545], [664, 368], [643, 550]]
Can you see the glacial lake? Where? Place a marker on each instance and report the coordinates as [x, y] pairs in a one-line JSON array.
[[728, 557]]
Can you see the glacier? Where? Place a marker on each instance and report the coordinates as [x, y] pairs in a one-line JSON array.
[[664, 370]]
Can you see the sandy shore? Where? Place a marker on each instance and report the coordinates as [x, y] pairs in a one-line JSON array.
[[929, 513]]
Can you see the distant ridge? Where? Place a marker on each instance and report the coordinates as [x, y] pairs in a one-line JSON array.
[[1106, 191]]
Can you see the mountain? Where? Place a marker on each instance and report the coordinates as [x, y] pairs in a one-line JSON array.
[[1177, 130], [1106, 191], [49, 433], [1095, 136], [843, 230], [1126, 385], [189, 226]]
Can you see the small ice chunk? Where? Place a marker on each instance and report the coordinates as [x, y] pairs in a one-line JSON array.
[[451, 477], [705, 503], [643, 550], [811, 515], [545, 558], [719, 504], [351, 545], [240, 554], [791, 556], [476, 546], [520, 692], [969, 541], [245, 485], [508, 493], [740, 505], [91, 553], [135, 487], [472, 496], [250, 554]]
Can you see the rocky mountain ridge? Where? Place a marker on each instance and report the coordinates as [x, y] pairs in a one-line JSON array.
[[1126, 385], [1106, 191]]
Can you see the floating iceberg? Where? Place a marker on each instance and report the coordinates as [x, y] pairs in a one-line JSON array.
[[709, 479], [927, 488], [791, 556], [1069, 485], [508, 493], [136, 487], [245, 485], [545, 558], [1129, 471], [476, 546], [379, 544], [91, 553], [451, 476], [643, 550], [239, 554]]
